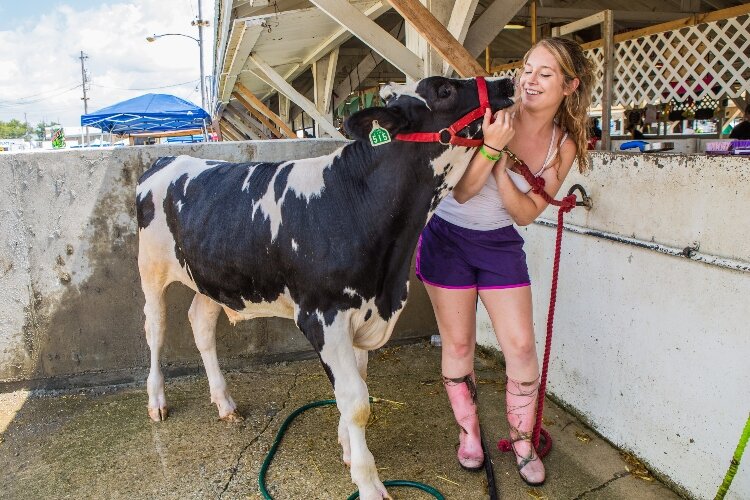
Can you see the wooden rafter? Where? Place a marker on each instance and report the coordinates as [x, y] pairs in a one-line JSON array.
[[262, 108], [241, 111], [248, 121], [438, 37], [489, 24], [240, 96], [265, 71], [458, 24], [372, 35], [232, 118]]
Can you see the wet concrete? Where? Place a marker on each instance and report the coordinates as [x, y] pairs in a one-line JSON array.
[[99, 443]]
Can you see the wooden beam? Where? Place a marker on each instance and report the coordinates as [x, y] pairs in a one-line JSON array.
[[458, 24], [372, 35], [282, 86], [264, 109], [608, 32], [244, 36], [343, 34], [324, 71], [532, 8], [580, 24], [438, 37], [559, 14], [239, 111], [224, 134], [241, 95], [250, 120], [232, 132], [489, 24], [237, 123], [284, 108], [368, 63]]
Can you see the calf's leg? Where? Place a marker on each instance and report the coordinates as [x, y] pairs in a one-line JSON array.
[[203, 315], [334, 345], [155, 312], [361, 357]]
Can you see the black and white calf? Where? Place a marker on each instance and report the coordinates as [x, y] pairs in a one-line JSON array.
[[324, 241]]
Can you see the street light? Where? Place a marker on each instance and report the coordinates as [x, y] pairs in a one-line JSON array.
[[200, 46]]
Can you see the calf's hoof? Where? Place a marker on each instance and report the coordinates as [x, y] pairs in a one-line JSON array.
[[158, 414], [233, 417]]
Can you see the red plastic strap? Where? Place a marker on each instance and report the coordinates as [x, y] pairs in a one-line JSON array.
[[565, 205], [457, 126]]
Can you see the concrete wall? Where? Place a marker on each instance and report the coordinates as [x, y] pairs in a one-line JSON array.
[[650, 348], [68, 273]]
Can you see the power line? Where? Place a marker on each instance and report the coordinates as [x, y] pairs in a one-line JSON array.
[[18, 101], [34, 101], [147, 88]]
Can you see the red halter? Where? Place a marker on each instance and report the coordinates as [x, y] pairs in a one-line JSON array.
[[448, 135]]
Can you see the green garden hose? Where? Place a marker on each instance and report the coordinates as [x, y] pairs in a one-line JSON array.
[[735, 464], [280, 434]]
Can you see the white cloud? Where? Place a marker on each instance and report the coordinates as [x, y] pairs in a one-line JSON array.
[[39, 58]]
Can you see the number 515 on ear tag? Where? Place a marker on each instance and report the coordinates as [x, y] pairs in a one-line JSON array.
[[379, 135]]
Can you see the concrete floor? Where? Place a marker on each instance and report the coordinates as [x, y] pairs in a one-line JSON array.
[[100, 444]]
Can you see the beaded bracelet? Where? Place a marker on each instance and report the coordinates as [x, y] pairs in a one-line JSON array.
[[490, 157]]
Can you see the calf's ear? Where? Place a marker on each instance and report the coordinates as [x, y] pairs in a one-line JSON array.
[[359, 125]]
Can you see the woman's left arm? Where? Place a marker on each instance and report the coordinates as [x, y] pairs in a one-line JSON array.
[[524, 208]]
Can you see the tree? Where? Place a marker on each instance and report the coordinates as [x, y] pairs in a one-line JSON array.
[[13, 129]]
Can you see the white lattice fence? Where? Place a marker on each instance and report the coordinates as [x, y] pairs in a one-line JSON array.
[[707, 60]]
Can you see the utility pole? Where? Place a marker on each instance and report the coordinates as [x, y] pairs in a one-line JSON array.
[[201, 23], [85, 99]]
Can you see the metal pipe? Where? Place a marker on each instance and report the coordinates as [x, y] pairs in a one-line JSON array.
[[690, 252]]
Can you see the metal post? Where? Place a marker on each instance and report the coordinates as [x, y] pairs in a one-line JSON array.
[[200, 45]]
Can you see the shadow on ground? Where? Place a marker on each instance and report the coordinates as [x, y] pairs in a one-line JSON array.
[[100, 443]]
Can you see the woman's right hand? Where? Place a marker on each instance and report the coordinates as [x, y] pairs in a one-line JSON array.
[[497, 134]]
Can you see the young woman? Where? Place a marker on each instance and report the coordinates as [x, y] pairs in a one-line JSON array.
[[470, 247]]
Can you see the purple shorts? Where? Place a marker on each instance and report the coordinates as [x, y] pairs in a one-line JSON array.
[[450, 256]]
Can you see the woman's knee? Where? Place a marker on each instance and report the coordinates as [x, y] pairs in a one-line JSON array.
[[458, 348], [521, 348]]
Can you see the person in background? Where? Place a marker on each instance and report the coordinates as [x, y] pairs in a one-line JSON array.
[[594, 130], [634, 122], [470, 248], [742, 129], [595, 133]]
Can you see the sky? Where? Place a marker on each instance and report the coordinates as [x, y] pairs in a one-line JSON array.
[[41, 41]]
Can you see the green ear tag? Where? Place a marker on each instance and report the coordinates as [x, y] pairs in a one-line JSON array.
[[379, 135]]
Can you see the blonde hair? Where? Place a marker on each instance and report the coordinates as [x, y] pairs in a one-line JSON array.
[[572, 115]]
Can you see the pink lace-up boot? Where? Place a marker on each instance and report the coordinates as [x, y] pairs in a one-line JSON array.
[[521, 403], [462, 393]]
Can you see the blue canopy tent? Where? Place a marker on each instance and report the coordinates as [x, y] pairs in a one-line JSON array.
[[149, 113]]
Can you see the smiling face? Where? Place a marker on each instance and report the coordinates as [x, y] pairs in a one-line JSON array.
[[542, 82]]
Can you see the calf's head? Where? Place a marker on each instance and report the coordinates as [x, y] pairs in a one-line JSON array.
[[427, 109], [430, 105]]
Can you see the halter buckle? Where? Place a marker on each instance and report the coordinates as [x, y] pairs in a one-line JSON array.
[[440, 137]]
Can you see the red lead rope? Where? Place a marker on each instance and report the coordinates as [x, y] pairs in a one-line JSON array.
[[566, 205]]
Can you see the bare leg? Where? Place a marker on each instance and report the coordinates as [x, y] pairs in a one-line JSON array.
[[203, 315], [455, 311], [511, 313]]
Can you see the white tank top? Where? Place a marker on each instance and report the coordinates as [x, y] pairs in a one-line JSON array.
[[485, 210]]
